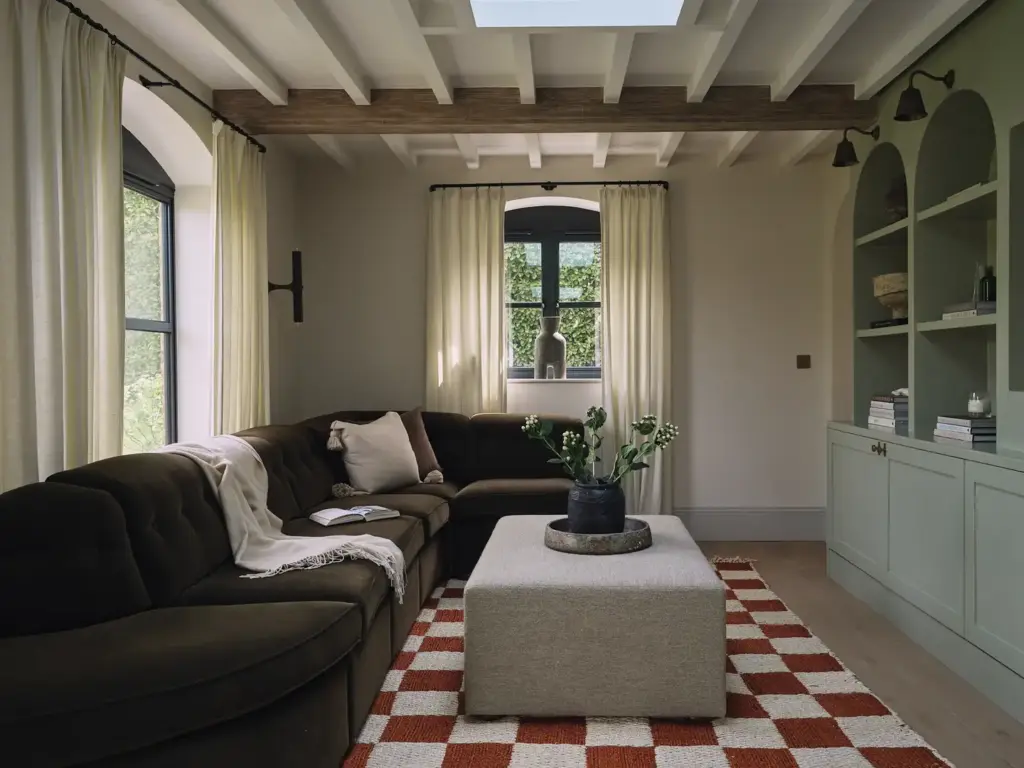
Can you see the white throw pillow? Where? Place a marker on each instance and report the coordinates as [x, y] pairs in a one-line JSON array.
[[378, 456]]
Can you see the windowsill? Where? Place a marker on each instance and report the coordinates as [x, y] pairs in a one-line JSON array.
[[553, 381]]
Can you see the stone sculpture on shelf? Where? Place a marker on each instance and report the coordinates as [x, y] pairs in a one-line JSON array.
[[549, 351]]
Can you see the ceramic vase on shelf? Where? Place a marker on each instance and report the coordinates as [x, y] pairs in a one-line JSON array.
[[549, 351]]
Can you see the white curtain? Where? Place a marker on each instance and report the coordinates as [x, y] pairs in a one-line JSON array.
[[636, 367], [466, 301], [241, 336], [61, 243]]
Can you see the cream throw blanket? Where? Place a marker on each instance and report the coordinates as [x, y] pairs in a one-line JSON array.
[[237, 475]]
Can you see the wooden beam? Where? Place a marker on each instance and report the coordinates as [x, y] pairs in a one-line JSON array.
[[322, 34], [237, 54], [737, 145], [667, 148], [604, 141], [558, 110], [691, 10], [533, 150], [838, 18], [400, 146], [333, 149], [423, 57], [615, 78], [718, 48], [941, 18], [468, 149], [522, 58], [805, 146]]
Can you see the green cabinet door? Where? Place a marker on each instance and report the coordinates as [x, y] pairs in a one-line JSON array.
[[858, 502], [926, 532], [994, 501]]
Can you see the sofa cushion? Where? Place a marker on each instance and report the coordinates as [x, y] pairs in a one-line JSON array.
[[443, 490], [407, 532], [172, 516], [300, 469], [503, 450], [78, 696], [497, 498], [353, 581], [432, 510], [65, 560]]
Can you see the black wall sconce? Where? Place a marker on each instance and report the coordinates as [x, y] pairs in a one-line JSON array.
[[911, 106], [846, 154], [295, 286]]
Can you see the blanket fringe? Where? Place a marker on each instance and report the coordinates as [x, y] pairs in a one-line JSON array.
[[345, 552], [721, 559]]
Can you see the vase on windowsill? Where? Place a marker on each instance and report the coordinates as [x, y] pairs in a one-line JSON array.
[[549, 350]]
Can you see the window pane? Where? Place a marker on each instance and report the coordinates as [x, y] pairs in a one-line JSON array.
[[579, 271], [523, 324], [143, 256], [581, 327], [522, 271], [145, 407]]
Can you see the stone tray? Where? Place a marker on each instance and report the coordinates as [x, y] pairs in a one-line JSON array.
[[636, 537]]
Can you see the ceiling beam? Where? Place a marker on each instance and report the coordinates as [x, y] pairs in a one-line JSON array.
[[667, 148], [941, 19], [604, 141], [400, 146], [237, 54], [468, 149], [333, 149], [837, 19], [533, 150], [805, 146], [737, 145], [464, 18], [419, 48], [321, 32], [615, 78], [522, 58], [718, 48], [558, 110], [691, 10]]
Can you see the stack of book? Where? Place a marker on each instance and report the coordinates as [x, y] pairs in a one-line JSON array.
[[889, 412], [968, 309], [966, 428]]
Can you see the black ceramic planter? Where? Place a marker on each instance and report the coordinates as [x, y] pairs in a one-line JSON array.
[[597, 508]]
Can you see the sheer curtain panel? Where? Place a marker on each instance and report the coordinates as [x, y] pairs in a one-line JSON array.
[[241, 335], [466, 301], [61, 243], [637, 365]]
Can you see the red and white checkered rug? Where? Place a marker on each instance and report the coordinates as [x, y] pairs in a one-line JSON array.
[[791, 704]]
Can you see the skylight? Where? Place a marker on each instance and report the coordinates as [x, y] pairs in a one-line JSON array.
[[576, 13]]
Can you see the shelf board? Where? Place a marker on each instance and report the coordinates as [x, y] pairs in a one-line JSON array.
[[891, 330], [974, 203], [889, 235], [980, 321]]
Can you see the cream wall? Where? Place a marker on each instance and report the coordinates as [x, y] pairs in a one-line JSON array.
[[750, 289]]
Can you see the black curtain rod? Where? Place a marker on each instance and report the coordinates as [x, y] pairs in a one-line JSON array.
[[550, 185], [146, 82]]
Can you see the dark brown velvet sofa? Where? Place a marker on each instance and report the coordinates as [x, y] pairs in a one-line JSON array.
[[128, 638]]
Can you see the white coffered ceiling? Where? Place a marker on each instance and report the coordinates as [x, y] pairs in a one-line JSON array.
[[359, 45]]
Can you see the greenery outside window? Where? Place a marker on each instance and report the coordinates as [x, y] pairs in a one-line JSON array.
[[149, 375], [553, 268]]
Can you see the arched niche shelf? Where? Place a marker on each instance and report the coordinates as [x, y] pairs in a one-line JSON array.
[[881, 191], [957, 151]]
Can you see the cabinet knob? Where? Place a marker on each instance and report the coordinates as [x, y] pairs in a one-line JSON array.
[[875, 448], [882, 449]]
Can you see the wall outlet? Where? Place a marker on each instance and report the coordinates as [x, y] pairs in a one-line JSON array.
[[803, 361]]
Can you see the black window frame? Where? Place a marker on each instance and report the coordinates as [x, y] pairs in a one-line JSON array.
[[143, 175], [552, 225]]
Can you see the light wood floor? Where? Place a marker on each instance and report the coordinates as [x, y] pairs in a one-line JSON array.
[[963, 725]]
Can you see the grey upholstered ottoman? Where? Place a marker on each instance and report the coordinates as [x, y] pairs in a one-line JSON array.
[[551, 634]]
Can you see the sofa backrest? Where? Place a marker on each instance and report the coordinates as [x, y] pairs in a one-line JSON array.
[[65, 560], [502, 450], [172, 517]]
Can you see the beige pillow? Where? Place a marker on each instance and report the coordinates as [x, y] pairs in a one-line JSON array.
[[378, 456]]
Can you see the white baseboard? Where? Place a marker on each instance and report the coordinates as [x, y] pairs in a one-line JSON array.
[[758, 524]]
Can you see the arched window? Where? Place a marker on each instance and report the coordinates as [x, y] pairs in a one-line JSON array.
[[149, 343], [553, 267]]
